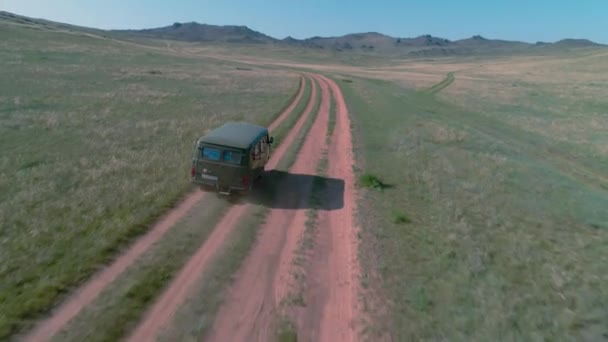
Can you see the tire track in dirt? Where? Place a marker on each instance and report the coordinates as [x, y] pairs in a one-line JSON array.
[[176, 292], [90, 290], [289, 108], [334, 272], [261, 283], [436, 88]]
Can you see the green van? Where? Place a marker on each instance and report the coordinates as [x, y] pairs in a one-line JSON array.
[[230, 157]]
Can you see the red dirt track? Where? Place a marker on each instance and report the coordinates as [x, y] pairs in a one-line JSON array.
[[250, 305], [177, 291], [253, 303], [289, 108], [335, 267], [90, 290]]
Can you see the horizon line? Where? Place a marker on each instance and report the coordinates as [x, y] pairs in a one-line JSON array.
[[310, 37]]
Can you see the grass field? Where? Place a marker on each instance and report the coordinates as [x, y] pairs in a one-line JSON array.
[[484, 183], [123, 303], [96, 138], [503, 177]]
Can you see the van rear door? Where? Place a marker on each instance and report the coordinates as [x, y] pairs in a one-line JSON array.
[[221, 166]]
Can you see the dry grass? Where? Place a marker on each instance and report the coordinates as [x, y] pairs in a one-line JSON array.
[[97, 139], [507, 201], [503, 174], [561, 99], [119, 307]]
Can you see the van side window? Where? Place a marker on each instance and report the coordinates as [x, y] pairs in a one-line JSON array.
[[262, 144]]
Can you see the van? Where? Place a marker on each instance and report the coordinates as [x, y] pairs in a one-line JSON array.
[[230, 158]]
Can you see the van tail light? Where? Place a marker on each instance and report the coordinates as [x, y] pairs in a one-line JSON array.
[[193, 171], [245, 180]]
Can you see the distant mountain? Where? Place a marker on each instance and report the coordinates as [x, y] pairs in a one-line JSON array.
[[422, 41], [195, 32], [367, 42], [355, 41], [370, 41], [480, 41], [429, 46], [576, 43]]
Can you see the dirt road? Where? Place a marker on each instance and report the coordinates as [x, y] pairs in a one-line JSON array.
[[290, 108], [334, 271], [250, 306], [90, 290], [174, 295], [254, 303]]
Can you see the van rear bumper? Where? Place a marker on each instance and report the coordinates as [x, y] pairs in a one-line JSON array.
[[208, 185], [205, 182]]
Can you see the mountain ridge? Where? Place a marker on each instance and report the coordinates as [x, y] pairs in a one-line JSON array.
[[425, 45]]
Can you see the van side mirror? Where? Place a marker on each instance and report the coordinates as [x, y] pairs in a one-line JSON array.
[[271, 140]]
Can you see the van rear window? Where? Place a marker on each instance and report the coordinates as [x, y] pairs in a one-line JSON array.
[[228, 156], [232, 157], [211, 153]]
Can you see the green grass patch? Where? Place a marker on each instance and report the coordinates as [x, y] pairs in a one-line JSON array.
[[331, 124], [400, 218], [371, 181], [287, 332]]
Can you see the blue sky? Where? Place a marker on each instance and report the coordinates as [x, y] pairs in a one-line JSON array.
[[525, 20]]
